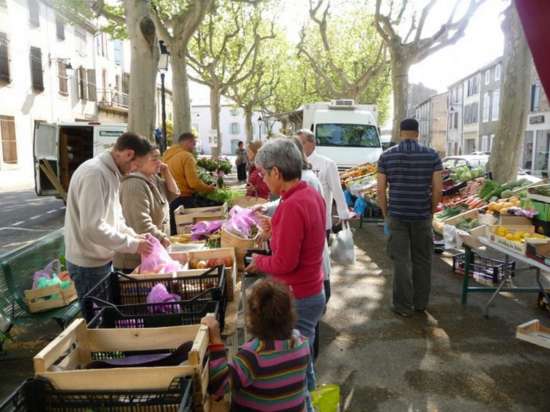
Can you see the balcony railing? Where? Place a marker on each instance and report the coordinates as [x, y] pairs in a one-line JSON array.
[[112, 98]]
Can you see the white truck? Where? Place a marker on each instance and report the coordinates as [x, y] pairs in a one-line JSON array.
[[59, 148], [344, 131]]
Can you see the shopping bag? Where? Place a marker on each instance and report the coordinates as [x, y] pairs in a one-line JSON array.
[[158, 261], [342, 249], [326, 398]]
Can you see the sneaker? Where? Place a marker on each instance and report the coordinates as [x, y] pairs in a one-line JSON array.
[[402, 312]]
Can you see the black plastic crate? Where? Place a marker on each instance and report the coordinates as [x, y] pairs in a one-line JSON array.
[[120, 290], [140, 316], [38, 395], [483, 267]]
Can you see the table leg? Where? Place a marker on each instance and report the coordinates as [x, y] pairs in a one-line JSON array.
[[541, 286], [466, 280], [507, 275]]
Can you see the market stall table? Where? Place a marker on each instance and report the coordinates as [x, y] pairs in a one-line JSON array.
[[508, 253]]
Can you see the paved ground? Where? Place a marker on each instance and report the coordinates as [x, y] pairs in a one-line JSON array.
[[25, 217], [455, 361]]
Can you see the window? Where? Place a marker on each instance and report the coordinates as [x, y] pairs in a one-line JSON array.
[[92, 95], [535, 97], [4, 59], [353, 135], [81, 41], [37, 77], [497, 72], [491, 140], [486, 106], [63, 78], [471, 113], [34, 12], [60, 28], [118, 53], [488, 77], [496, 105], [456, 120], [485, 143], [235, 128], [81, 82], [9, 144], [234, 112], [473, 86]]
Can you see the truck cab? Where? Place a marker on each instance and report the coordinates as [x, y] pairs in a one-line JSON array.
[[344, 131], [59, 148]]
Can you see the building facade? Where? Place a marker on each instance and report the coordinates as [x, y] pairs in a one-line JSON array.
[[56, 67], [470, 128], [431, 115], [455, 118], [491, 81]]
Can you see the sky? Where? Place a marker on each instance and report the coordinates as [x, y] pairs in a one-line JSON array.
[[482, 42]]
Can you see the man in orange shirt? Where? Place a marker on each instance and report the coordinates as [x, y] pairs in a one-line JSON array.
[[183, 166]]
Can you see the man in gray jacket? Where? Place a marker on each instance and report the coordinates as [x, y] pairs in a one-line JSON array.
[[94, 224]]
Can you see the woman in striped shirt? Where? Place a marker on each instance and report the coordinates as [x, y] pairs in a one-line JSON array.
[[268, 373]]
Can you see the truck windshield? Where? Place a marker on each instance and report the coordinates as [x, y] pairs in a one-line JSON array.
[[352, 135]]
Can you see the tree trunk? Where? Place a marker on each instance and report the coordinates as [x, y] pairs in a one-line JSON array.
[[215, 97], [180, 91], [514, 95], [400, 84], [144, 64], [248, 125]]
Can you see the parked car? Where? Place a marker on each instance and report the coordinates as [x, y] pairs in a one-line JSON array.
[[472, 161]]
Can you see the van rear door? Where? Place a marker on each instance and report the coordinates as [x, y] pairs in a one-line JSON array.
[[45, 151], [105, 136]]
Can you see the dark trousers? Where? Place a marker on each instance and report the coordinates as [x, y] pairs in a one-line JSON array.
[[326, 284], [186, 202], [410, 246], [241, 172]]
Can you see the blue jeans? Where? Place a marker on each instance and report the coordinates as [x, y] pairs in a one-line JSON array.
[[310, 310], [86, 278]]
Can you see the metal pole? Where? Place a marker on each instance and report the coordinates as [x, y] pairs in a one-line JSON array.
[[260, 130], [163, 104]]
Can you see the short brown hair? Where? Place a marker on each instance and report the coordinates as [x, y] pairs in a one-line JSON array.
[[254, 146], [133, 141], [186, 136], [271, 314]]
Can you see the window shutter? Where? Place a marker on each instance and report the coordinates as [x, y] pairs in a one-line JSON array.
[[126, 83], [92, 95], [81, 80], [34, 12], [60, 28], [63, 78], [9, 144], [37, 77], [4, 59]]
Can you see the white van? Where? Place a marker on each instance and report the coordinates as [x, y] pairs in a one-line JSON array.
[[344, 131], [65, 146]]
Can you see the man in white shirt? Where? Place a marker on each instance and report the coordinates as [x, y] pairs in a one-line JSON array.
[[94, 225], [327, 172]]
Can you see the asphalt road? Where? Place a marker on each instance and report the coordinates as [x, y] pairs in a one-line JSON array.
[[25, 217]]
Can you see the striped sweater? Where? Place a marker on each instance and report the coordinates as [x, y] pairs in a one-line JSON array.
[[264, 375]]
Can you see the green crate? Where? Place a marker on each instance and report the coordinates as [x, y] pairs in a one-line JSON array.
[[543, 210]]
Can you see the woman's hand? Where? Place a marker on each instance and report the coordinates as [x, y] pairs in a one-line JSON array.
[[163, 168], [166, 242], [252, 267], [213, 329], [264, 222]]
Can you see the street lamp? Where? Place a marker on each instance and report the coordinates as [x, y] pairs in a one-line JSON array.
[[260, 127], [164, 61]]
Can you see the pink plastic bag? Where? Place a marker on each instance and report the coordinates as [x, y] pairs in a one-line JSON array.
[[52, 268], [159, 294], [241, 221], [158, 261]]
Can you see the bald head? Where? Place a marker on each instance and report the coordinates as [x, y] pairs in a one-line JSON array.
[[308, 141]]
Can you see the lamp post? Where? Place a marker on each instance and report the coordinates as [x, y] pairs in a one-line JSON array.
[[164, 61], [260, 127]]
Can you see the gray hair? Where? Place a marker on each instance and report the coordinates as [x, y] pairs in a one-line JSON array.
[[282, 154], [308, 134]]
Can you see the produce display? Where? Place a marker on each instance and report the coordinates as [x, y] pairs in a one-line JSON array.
[[465, 174], [357, 172], [214, 165], [210, 263]]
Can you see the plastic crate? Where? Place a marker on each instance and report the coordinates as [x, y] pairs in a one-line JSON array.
[[120, 290], [484, 268], [140, 316], [38, 395]]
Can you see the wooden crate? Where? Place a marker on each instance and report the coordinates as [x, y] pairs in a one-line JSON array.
[[241, 245], [186, 217], [56, 298], [230, 273], [515, 246], [62, 362], [533, 332]]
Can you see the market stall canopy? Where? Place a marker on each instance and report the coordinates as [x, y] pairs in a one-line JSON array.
[[535, 16]]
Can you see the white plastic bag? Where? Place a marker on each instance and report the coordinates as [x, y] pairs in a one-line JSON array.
[[342, 249]]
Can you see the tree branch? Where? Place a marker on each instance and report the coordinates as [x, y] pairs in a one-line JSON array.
[[99, 9], [425, 12]]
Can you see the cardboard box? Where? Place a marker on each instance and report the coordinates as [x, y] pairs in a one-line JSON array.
[[505, 220], [63, 362], [513, 245], [187, 217]]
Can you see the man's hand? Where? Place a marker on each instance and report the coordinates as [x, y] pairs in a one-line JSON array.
[[213, 329], [211, 188], [144, 247]]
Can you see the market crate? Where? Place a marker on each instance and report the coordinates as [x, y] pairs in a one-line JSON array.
[[220, 253], [513, 245], [185, 217], [64, 360], [248, 201], [240, 244], [483, 267], [40, 300], [533, 332], [118, 289], [39, 395], [140, 316]]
